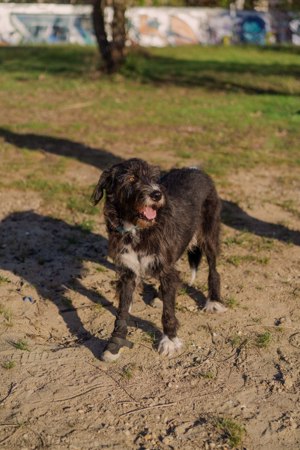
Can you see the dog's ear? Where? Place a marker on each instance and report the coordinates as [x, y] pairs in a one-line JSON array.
[[105, 183], [156, 173]]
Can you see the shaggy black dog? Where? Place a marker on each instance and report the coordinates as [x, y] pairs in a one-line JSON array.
[[151, 221]]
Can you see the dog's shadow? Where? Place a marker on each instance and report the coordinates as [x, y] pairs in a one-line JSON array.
[[49, 255], [150, 293], [232, 215]]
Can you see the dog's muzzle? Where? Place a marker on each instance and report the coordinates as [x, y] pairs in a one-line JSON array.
[[153, 203], [156, 195]]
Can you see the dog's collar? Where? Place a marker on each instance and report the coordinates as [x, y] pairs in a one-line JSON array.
[[123, 230]]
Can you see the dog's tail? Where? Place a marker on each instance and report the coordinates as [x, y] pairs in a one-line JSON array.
[[194, 257]]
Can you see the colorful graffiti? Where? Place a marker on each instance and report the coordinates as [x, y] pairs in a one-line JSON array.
[[178, 26], [30, 23], [53, 24]]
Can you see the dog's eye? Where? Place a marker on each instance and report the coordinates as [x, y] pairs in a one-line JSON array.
[[131, 179]]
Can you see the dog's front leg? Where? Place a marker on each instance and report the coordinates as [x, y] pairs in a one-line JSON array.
[[169, 343], [125, 288]]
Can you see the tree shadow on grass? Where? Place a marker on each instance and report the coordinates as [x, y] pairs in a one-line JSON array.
[[31, 61], [212, 75], [48, 254], [232, 214], [287, 49]]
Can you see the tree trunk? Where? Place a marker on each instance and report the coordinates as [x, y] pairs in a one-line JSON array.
[[118, 32], [112, 52]]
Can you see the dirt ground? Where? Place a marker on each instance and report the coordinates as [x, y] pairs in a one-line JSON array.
[[236, 383]]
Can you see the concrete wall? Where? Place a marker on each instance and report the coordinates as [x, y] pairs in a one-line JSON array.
[[51, 23]]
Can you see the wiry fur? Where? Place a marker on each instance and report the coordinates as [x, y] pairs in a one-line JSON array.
[[187, 217]]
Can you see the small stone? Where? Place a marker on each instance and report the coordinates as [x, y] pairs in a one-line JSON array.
[[288, 382], [191, 308], [167, 440], [180, 429]]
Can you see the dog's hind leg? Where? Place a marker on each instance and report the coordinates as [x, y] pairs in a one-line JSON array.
[[125, 288], [194, 258], [210, 244], [169, 343]]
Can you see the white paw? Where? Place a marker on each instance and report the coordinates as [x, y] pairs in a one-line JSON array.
[[214, 307], [107, 356], [156, 303], [167, 347]]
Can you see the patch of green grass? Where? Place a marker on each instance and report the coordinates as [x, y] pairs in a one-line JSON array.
[[70, 61], [184, 154], [21, 344], [101, 269], [232, 430], [87, 226], [49, 188], [207, 375], [217, 85], [98, 308], [183, 291], [290, 206], [247, 240], [263, 340], [4, 280], [6, 314], [149, 336], [128, 371], [82, 205], [236, 340], [231, 302], [8, 365], [262, 260], [237, 260], [219, 68], [231, 240]]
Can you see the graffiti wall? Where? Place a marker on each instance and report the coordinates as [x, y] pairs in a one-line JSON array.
[[46, 23], [294, 26], [53, 24]]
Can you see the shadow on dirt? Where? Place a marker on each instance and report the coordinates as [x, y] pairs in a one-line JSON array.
[[61, 147], [48, 254], [232, 215], [235, 217]]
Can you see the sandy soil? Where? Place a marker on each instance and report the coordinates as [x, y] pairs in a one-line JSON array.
[[235, 384]]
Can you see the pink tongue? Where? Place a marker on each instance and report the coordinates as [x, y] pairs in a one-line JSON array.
[[149, 212]]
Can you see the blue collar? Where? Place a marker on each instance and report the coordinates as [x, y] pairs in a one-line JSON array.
[[123, 230]]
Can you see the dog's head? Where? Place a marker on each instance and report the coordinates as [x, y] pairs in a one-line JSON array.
[[132, 189]]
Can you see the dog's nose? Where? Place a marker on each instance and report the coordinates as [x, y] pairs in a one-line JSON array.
[[156, 195]]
